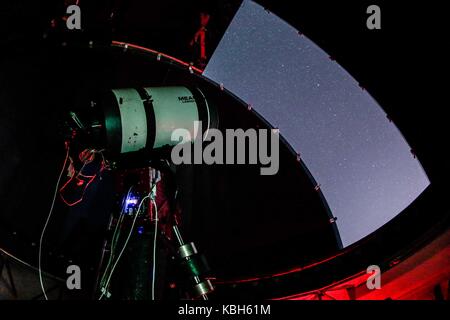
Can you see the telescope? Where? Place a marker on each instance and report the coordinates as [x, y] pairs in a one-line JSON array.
[[128, 121]]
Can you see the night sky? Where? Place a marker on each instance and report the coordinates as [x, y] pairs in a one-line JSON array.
[[362, 162]]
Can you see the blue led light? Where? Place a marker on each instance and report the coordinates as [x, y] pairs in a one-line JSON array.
[[131, 202]]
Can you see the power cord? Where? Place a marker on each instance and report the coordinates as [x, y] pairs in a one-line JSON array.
[[124, 247], [48, 220]]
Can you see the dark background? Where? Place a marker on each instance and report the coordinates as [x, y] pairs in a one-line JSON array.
[[403, 67]]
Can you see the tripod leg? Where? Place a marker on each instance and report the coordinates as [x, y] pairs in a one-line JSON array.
[[4, 264], [11, 280]]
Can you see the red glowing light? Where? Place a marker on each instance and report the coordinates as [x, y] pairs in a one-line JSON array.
[[83, 184], [133, 46]]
